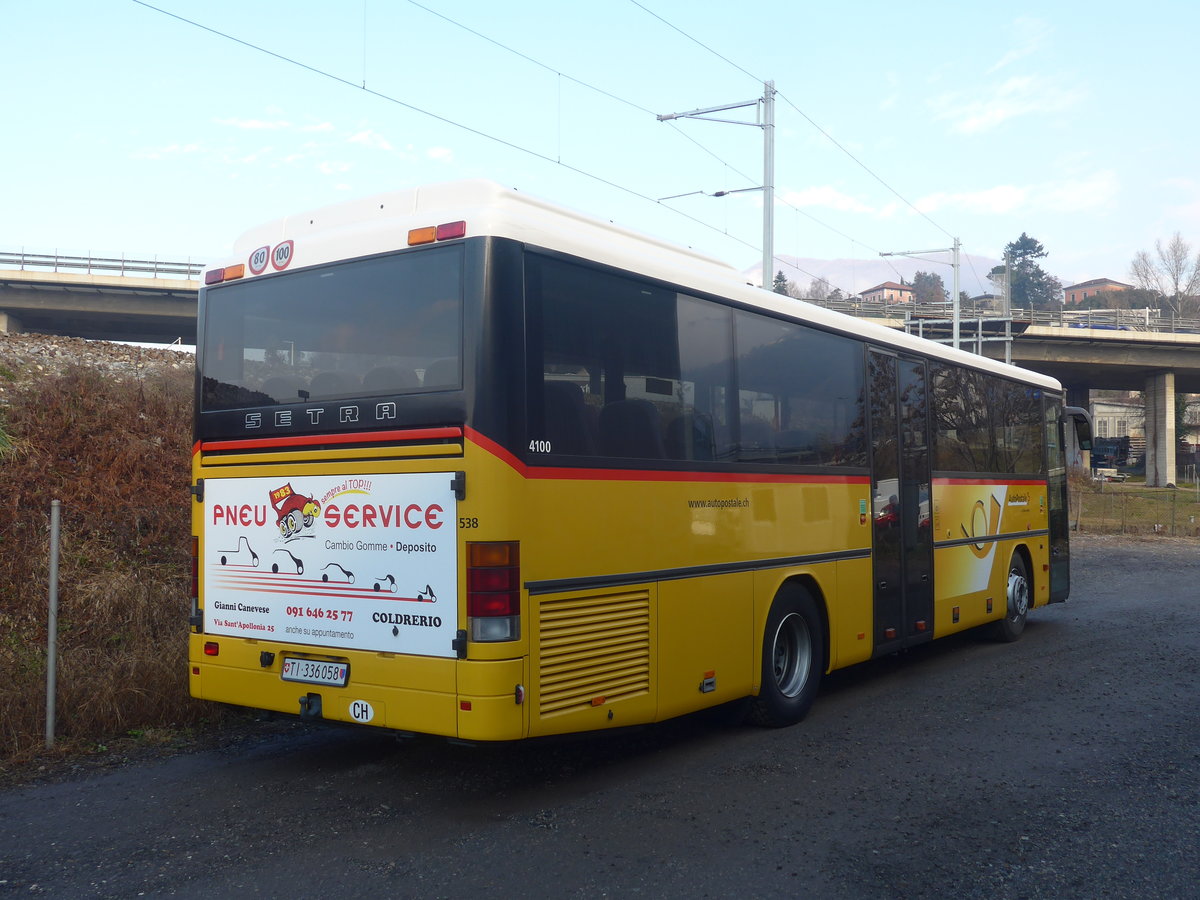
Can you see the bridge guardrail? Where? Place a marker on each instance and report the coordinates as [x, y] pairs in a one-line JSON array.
[[1145, 320], [54, 262]]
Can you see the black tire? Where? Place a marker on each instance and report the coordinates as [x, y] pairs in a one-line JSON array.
[[1017, 599], [793, 660]]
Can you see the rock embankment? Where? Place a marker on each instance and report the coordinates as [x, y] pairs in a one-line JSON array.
[[26, 356]]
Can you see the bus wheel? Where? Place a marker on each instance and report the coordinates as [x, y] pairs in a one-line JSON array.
[[793, 658], [1010, 627]]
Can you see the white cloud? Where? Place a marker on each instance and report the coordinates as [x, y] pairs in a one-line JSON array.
[[441, 154], [318, 126], [1031, 36], [1080, 194], [1067, 196], [254, 157], [1187, 211], [1018, 96], [370, 138], [826, 196], [255, 124], [893, 96], [333, 168], [1003, 198], [163, 152]]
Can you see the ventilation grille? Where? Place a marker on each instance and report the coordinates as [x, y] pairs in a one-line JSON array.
[[593, 650]]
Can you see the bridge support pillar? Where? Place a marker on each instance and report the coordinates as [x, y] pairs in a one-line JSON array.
[[1160, 429], [10, 324]]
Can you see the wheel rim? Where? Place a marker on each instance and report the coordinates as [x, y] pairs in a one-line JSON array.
[[1018, 595], [791, 655]]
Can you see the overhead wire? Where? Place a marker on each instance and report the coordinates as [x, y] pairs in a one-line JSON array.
[[443, 119], [502, 141], [627, 102], [573, 79], [805, 116]]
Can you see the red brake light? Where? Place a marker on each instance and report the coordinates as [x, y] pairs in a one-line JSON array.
[[499, 604], [506, 579], [212, 648], [214, 276], [451, 230], [494, 590]]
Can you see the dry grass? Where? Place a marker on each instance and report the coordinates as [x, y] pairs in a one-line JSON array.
[[115, 451]]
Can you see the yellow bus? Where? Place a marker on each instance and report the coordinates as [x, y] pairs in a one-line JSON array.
[[469, 464]]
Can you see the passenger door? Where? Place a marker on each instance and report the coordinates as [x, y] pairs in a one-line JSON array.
[[900, 491]]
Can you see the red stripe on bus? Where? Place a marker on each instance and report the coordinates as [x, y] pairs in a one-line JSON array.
[[363, 437], [1028, 482], [585, 474]]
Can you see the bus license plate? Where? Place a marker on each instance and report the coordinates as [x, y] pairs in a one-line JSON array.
[[315, 671]]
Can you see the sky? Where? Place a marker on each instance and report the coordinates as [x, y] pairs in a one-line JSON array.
[[130, 131]]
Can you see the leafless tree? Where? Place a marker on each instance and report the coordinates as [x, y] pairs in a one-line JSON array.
[[818, 289], [1172, 272]]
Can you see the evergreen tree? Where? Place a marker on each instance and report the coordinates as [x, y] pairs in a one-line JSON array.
[[1030, 286], [781, 283]]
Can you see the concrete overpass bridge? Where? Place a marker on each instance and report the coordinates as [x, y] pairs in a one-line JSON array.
[[148, 300], [113, 299]]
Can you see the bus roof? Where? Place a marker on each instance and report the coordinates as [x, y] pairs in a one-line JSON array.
[[380, 223]]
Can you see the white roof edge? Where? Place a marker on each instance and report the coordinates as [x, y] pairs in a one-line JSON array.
[[379, 223]]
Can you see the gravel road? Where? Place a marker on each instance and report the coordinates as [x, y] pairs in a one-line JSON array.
[[1065, 765]]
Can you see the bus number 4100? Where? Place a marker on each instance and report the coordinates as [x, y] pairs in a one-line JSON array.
[[539, 446]]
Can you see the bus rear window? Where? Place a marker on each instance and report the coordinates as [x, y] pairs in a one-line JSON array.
[[370, 327]]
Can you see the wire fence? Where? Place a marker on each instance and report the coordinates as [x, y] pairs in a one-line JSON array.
[[989, 314], [1174, 513]]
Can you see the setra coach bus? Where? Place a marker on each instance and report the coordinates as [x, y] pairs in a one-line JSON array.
[[473, 465]]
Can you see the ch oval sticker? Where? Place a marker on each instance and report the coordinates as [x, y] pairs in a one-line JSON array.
[[361, 711], [281, 256]]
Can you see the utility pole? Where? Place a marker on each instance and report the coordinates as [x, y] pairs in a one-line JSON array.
[[768, 182], [767, 124], [956, 303]]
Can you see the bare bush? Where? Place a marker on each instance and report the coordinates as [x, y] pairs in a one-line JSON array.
[[114, 447]]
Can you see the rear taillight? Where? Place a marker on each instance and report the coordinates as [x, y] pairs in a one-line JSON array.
[[494, 590]]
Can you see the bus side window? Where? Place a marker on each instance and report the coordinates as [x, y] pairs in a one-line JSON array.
[[570, 427], [691, 436], [632, 429]]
